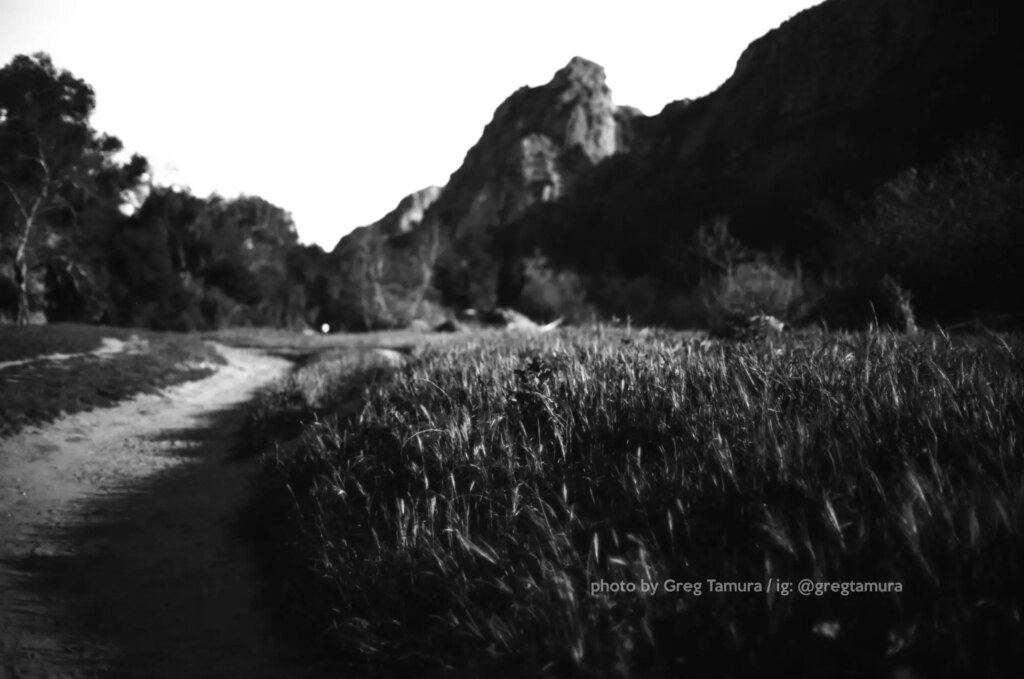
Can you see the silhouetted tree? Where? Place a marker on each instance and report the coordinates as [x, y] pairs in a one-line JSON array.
[[53, 167]]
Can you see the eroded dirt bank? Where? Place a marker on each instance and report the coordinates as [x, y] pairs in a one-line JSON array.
[[117, 556]]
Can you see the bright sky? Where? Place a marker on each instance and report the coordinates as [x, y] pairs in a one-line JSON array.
[[335, 110]]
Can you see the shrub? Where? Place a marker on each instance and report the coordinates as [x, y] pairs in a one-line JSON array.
[[738, 282], [859, 305], [548, 294], [950, 232], [758, 287]]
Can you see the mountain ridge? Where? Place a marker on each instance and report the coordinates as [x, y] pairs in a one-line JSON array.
[[816, 115]]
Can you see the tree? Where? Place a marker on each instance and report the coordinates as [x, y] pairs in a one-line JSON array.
[[52, 163], [950, 232]]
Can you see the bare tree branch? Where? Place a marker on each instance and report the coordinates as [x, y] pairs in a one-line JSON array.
[[17, 199]]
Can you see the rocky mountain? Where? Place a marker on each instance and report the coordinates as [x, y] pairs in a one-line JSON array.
[[540, 141], [818, 113]]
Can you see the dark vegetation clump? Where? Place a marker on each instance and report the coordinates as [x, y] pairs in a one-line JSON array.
[[946, 230], [934, 246], [461, 515], [944, 237]]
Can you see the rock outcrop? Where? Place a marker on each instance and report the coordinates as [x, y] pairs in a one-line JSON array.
[[406, 216], [540, 141]]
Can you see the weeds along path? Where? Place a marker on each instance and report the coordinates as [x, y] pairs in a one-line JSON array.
[[117, 555]]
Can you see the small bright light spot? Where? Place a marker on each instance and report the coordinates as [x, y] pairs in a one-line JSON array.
[[325, 328]]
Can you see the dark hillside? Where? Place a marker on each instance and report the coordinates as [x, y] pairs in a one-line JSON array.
[[818, 114], [569, 205], [837, 99]]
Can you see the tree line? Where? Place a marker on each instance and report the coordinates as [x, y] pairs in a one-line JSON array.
[[85, 234]]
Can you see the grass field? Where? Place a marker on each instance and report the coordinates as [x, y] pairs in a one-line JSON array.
[[36, 389], [28, 341], [477, 510]]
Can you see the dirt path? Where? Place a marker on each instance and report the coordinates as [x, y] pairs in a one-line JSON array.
[[116, 548]]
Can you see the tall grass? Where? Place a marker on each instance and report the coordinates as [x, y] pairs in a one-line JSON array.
[[473, 515]]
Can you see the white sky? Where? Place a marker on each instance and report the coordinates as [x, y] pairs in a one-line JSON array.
[[335, 110]]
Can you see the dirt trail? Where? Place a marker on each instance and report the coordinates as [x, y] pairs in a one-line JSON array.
[[116, 549]]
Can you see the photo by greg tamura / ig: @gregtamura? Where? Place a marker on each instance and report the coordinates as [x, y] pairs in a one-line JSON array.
[[803, 587]]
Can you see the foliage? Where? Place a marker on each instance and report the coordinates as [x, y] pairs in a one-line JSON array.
[[950, 232], [145, 255], [546, 293], [758, 287], [184, 263], [947, 231], [59, 180], [85, 237], [738, 282], [464, 520]]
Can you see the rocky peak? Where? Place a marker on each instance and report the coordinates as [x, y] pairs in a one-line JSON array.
[[539, 143], [590, 122], [580, 72], [539, 140]]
